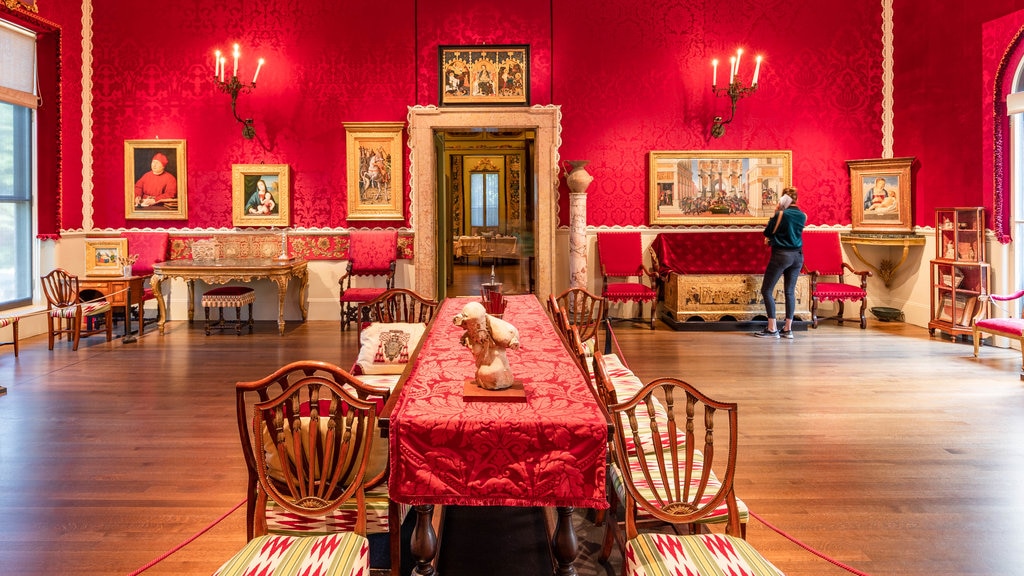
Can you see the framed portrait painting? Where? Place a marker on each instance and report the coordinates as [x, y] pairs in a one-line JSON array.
[[484, 75], [881, 191], [260, 195], [717, 186], [103, 257], [374, 170], [154, 180]]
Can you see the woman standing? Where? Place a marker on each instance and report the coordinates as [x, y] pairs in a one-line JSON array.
[[784, 233]]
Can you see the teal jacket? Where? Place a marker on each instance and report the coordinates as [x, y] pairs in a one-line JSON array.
[[789, 234]]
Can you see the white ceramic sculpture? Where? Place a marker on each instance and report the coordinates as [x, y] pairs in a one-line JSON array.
[[488, 337]]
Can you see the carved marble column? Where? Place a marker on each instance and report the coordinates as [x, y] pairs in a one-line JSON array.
[[578, 179]]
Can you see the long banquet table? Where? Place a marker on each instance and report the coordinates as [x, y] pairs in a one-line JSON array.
[[549, 451]]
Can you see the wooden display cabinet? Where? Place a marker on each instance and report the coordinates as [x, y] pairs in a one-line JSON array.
[[959, 273]]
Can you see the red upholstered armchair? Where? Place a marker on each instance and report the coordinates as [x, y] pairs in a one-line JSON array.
[[370, 253], [824, 257], [151, 247], [622, 257], [1008, 327]]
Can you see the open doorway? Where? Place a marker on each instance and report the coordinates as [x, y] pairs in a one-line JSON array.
[[430, 206]]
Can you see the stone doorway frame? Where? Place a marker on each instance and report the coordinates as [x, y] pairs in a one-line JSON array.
[[424, 121]]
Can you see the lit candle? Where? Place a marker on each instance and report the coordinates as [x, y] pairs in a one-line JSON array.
[[732, 68], [757, 70], [223, 65], [235, 73], [216, 63], [260, 65], [714, 72], [739, 52]]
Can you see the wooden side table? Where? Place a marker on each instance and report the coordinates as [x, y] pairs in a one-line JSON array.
[[116, 289]]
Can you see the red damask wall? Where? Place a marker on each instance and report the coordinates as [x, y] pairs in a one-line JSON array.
[[630, 77]]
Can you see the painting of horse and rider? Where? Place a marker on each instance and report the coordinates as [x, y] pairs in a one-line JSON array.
[[374, 164]]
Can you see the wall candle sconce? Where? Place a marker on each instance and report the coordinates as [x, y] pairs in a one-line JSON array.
[[735, 90], [234, 86]]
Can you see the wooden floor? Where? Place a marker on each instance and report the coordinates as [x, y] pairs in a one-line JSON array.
[[888, 450]]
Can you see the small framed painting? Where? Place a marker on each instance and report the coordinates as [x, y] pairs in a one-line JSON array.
[[260, 194], [881, 191], [485, 75], [104, 257], [154, 180], [374, 170]]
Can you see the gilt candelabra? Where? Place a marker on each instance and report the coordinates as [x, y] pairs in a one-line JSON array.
[[735, 90], [234, 87]]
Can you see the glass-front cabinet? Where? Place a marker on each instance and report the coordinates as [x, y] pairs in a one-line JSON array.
[[959, 273]]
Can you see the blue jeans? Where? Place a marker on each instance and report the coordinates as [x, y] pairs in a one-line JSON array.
[[786, 263]]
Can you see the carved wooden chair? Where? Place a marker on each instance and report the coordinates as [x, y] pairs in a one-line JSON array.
[[622, 258], [66, 312], [11, 321], [370, 253], [675, 455], [397, 305], [307, 438], [823, 256], [295, 496], [586, 312], [1009, 327]]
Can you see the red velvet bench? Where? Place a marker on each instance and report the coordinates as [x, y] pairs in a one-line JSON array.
[[713, 275]]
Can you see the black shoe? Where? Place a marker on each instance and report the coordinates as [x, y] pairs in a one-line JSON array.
[[787, 334], [766, 333]]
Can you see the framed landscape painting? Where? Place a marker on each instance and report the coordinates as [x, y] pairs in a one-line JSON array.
[[881, 192], [103, 257], [485, 75], [154, 180], [717, 186], [260, 195], [374, 170]]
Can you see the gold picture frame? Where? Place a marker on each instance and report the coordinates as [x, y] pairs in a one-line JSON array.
[[484, 75], [716, 186], [103, 256], [375, 177], [152, 193], [260, 195], [881, 193]]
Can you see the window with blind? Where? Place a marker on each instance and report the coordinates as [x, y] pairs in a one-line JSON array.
[[17, 147]]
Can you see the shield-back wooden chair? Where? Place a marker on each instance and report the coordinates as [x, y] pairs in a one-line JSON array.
[[370, 253], [622, 260], [66, 312], [586, 312], [308, 438]]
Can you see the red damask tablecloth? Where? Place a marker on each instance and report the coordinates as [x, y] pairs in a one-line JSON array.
[[548, 451]]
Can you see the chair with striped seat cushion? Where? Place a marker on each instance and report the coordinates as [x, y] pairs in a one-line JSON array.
[[66, 312], [308, 433], [11, 321], [228, 297], [370, 253], [586, 312], [688, 485], [378, 514], [622, 258], [1007, 327], [824, 257]]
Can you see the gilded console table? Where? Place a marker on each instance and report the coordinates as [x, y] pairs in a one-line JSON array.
[[886, 269], [222, 271]]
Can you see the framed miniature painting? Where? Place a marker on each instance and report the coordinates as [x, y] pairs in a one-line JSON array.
[[260, 195], [717, 187], [154, 180], [374, 170], [485, 75], [881, 191], [106, 257]]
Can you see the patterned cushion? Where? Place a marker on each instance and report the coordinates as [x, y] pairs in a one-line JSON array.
[[829, 291], [6, 321], [629, 292], [1012, 326], [720, 514], [372, 251], [361, 294], [346, 553], [384, 347], [88, 309], [228, 297], [281, 521], [699, 555]]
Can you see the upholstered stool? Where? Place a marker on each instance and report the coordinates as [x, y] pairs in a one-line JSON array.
[[11, 321], [228, 297]]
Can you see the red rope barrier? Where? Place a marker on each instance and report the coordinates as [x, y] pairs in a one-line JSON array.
[[806, 547], [188, 541]]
